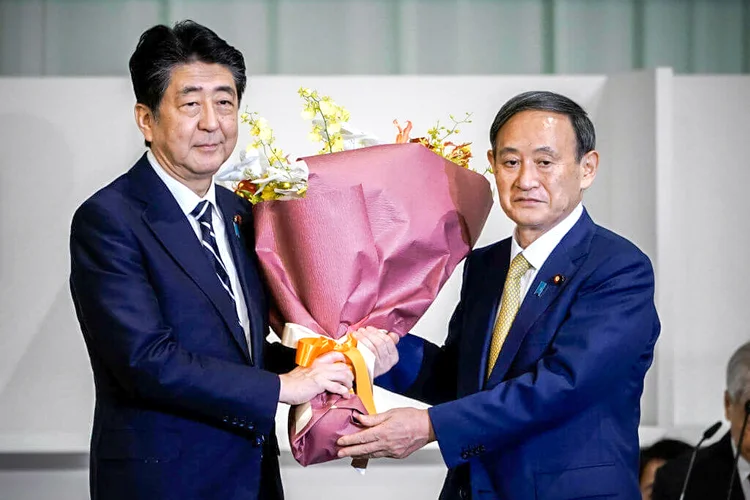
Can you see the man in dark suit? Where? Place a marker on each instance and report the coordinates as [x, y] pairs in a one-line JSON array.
[[536, 391], [714, 465], [170, 300]]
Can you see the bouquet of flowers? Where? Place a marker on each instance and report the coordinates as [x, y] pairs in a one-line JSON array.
[[362, 234]]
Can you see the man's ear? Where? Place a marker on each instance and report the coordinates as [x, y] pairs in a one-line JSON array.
[[590, 166], [145, 120], [727, 405]]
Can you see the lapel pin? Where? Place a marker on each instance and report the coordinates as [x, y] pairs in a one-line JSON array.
[[237, 221], [558, 279], [540, 289]]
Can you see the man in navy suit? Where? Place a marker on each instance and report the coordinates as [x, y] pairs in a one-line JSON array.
[[536, 391], [170, 300], [714, 472]]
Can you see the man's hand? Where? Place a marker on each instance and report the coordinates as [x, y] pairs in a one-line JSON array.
[[396, 434], [382, 344], [328, 373]]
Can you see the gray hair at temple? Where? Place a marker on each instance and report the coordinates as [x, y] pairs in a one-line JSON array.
[[738, 374]]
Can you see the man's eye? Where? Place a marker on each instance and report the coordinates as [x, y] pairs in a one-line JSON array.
[[510, 163], [190, 104], [545, 163]]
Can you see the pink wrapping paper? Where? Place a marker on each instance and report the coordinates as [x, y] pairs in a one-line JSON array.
[[380, 231]]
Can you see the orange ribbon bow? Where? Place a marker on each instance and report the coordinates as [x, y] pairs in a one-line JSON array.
[[308, 349]]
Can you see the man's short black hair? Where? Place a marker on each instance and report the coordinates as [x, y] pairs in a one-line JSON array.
[[539, 100], [161, 49]]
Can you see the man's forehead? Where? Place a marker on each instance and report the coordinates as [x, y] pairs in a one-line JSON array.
[[536, 131], [541, 119], [199, 76]]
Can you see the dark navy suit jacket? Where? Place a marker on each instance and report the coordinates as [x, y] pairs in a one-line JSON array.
[[181, 409], [709, 478], [558, 417]]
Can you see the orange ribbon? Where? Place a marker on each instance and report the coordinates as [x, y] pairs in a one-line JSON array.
[[308, 349]]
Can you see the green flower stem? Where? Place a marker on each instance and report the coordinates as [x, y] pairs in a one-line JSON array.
[[325, 123], [455, 126]]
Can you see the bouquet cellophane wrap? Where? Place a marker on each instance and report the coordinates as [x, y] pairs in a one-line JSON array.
[[378, 234]]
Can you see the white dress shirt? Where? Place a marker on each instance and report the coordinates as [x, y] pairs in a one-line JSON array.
[[538, 252], [187, 200], [743, 471]]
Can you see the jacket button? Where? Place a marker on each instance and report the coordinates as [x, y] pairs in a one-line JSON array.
[[463, 493], [251, 426]]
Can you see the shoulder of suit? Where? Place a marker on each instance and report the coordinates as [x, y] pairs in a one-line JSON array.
[[706, 461], [716, 451], [491, 248], [112, 195], [604, 236], [489, 252], [612, 244]]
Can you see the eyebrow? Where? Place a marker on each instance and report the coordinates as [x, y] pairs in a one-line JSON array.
[[194, 88], [543, 149], [546, 149], [507, 150]]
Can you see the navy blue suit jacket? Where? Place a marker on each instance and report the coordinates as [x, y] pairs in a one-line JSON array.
[[181, 409], [558, 417]]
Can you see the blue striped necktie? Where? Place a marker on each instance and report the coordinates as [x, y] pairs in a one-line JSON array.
[[202, 213]]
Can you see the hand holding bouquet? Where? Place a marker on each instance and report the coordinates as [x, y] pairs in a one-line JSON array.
[[367, 239]]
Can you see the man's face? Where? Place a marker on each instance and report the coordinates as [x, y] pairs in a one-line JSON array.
[[195, 130], [538, 179], [735, 413]]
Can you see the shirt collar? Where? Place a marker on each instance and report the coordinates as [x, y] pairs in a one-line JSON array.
[[538, 252], [185, 197]]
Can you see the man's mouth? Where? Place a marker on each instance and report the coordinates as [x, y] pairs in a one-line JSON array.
[[525, 201]]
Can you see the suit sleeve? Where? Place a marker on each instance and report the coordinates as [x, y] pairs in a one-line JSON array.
[[279, 358], [427, 372], [611, 324], [120, 315]]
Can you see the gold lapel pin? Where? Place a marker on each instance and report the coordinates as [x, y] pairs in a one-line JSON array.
[[558, 279]]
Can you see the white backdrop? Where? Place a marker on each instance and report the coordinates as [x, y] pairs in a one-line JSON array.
[[670, 180], [705, 284]]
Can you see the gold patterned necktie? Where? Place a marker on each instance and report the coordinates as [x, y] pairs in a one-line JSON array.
[[511, 301]]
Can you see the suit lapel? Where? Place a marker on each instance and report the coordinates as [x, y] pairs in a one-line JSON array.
[[249, 280], [564, 260], [484, 304], [170, 226]]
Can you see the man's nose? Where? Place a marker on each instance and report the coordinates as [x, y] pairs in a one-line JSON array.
[[209, 119], [527, 176]]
